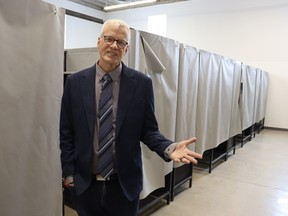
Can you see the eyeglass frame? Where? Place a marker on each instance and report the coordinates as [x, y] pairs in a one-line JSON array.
[[125, 43]]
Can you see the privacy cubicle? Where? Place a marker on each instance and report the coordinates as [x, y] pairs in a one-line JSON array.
[[262, 99], [249, 98], [253, 100], [218, 93], [197, 93], [218, 111], [215, 111]]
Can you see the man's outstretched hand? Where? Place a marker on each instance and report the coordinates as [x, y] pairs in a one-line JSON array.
[[183, 154]]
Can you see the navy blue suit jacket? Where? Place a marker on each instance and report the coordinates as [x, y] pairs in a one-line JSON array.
[[135, 122]]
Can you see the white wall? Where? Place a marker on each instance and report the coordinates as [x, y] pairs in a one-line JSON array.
[[252, 31], [80, 33]]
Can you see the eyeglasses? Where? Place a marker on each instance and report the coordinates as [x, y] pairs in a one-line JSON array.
[[110, 40]]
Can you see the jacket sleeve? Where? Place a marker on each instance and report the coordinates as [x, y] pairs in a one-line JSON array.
[[151, 135]]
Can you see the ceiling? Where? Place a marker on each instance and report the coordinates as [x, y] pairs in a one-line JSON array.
[[100, 4], [205, 4]]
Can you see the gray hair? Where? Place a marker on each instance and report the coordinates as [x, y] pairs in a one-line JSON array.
[[116, 23]]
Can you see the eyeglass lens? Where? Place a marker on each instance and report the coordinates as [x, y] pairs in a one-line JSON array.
[[110, 40]]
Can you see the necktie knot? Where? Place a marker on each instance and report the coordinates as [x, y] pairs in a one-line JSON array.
[[107, 78]]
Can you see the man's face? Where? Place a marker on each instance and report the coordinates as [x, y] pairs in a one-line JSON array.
[[111, 55]]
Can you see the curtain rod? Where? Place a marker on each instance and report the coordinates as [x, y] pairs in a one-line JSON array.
[[84, 16]]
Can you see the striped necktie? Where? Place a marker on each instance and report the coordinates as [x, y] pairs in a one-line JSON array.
[[106, 139]]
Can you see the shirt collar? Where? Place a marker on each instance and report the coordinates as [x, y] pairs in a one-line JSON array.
[[114, 74]]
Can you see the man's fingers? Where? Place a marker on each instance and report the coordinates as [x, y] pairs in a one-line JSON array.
[[195, 155], [190, 141], [189, 160]]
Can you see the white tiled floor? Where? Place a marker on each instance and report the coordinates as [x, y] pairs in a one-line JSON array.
[[253, 182]]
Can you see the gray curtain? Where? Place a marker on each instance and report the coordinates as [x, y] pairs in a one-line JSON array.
[[197, 93], [158, 57], [249, 75], [187, 95], [214, 104], [31, 79], [235, 120], [262, 97], [257, 95]]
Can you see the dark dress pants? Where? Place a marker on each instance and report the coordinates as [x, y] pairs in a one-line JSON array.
[[104, 198]]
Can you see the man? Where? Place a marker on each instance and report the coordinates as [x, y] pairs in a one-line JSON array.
[[107, 117]]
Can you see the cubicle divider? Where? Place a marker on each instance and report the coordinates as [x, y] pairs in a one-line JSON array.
[[196, 93]]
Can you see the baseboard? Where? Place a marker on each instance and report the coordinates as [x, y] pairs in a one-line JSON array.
[[275, 128]]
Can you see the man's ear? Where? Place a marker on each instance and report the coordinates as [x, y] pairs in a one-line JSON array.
[[126, 49], [98, 41]]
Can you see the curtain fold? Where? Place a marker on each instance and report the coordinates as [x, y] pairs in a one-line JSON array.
[[214, 101], [262, 98], [248, 95], [235, 120], [187, 95]]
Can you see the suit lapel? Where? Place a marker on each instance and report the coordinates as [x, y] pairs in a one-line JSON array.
[[128, 83], [89, 99]]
